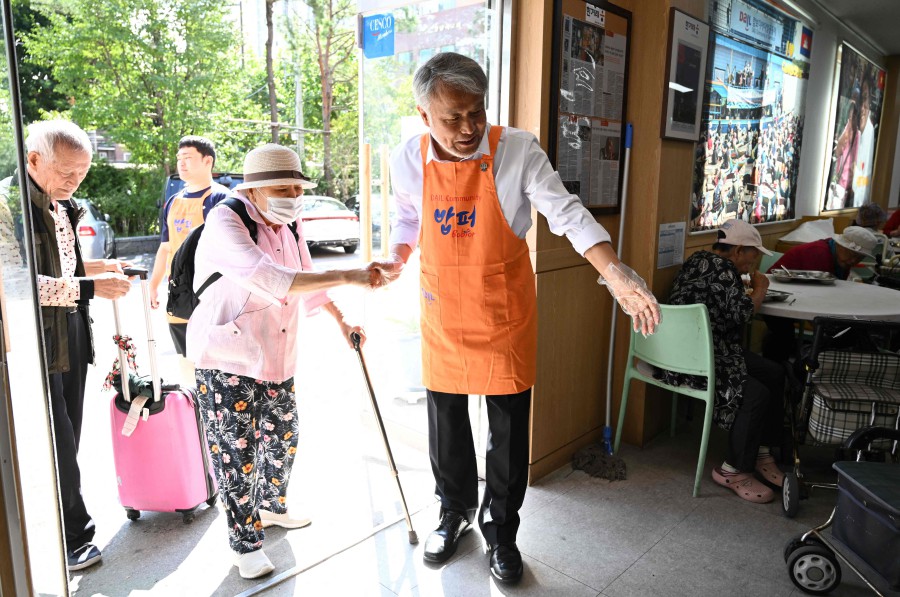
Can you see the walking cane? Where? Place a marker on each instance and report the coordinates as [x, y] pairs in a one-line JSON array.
[[355, 338]]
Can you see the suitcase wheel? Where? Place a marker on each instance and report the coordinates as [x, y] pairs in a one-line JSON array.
[[132, 514], [187, 517], [212, 500]]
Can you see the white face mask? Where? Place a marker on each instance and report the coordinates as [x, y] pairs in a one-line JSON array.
[[282, 210]]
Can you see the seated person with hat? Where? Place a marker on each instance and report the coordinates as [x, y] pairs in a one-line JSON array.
[[837, 256], [749, 388]]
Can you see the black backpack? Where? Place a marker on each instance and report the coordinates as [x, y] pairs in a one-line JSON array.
[[182, 299]]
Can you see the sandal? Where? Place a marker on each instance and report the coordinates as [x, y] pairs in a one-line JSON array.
[[769, 471], [744, 485]]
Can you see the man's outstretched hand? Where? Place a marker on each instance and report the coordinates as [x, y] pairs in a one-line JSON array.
[[633, 296]]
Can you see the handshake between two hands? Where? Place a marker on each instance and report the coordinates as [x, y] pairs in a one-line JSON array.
[[382, 273]]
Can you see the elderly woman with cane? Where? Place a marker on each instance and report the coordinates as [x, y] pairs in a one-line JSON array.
[[243, 339]]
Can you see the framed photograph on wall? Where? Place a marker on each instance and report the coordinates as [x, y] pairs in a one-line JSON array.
[[686, 66], [747, 159], [591, 47], [857, 116]]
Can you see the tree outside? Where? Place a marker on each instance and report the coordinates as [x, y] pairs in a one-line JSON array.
[[157, 70], [329, 88]]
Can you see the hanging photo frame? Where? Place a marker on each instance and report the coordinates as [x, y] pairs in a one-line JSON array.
[[746, 162], [686, 68], [589, 71], [859, 95]]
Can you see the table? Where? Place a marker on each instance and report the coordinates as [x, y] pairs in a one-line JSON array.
[[851, 300]]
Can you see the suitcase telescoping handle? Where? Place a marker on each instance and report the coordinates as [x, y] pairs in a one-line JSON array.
[[143, 274]]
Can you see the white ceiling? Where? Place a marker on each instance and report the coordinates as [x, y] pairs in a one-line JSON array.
[[875, 20]]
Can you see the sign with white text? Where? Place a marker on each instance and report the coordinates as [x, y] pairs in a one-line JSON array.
[[378, 35]]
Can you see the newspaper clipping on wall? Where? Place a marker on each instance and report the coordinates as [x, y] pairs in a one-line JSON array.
[[591, 104]]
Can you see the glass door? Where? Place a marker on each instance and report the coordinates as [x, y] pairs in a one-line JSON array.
[[29, 476], [388, 116]]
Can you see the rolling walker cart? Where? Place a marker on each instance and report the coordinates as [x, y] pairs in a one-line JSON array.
[[851, 382], [865, 527]]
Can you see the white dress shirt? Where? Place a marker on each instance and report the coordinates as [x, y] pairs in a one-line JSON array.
[[523, 177]]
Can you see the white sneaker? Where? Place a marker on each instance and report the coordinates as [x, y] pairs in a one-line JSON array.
[[282, 520], [253, 564]]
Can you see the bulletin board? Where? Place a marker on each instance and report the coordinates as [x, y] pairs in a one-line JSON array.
[[590, 78]]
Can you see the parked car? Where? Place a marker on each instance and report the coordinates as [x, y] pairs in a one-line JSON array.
[[328, 223], [175, 184], [376, 215], [97, 238]]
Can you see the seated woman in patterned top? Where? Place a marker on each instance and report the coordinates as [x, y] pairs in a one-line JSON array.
[[749, 388]]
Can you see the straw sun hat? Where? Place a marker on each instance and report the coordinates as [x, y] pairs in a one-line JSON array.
[[272, 165]]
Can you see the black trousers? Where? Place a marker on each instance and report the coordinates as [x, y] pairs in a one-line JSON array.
[[452, 450], [67, 405], [780, 342], [178, 331], [759, 419]]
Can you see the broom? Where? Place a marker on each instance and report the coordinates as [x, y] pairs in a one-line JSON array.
[[598, 460]]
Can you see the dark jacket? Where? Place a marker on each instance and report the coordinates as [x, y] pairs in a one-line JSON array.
[[47, 263], [711, 280]]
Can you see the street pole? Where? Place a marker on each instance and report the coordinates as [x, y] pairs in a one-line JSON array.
[[365, 200], [298, 116], [385, 198]]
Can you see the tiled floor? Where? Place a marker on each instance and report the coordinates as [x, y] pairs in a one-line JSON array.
[[579, 535], [586, 536]]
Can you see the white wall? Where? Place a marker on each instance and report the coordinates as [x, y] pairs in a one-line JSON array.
[[818, 133]]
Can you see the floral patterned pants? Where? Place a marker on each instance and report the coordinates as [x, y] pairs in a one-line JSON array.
[[251, 429]]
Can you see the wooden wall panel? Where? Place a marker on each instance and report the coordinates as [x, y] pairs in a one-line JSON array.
[[573, 336], [574, 313]]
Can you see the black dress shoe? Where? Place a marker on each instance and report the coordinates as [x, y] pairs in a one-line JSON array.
[[442, 542], [506, 562]]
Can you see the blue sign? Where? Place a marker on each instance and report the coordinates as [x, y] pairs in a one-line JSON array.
[[378, 36]]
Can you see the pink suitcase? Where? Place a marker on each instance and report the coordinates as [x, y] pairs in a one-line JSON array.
[[159, 445]]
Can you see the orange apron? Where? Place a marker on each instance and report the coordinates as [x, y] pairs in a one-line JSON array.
[[184, 215], [479, 308]]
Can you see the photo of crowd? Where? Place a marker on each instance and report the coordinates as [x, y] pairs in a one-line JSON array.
[[747, 159], [860, 91]]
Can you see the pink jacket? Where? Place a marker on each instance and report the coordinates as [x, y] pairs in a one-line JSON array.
[[246, 323]]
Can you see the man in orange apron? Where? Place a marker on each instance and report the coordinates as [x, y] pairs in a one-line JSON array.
[[464, 193], [182, 212]]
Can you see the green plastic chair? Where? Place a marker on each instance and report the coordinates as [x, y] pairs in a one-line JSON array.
[[767, 261], [682, 343]]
